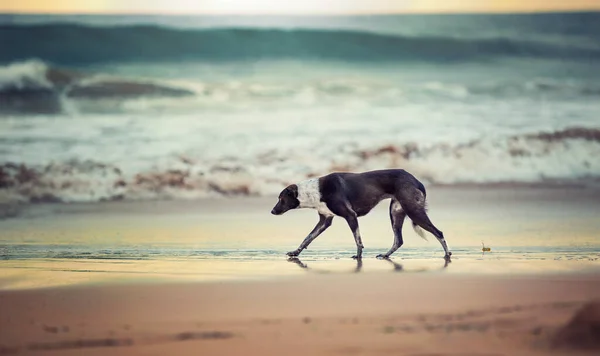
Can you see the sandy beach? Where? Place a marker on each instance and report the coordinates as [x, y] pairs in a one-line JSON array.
[[211, 277], [321, 315]]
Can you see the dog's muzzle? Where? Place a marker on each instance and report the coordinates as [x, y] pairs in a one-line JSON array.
[[275, 212]]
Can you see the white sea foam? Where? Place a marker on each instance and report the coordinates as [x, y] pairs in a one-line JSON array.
[[254, 132], [24, 75], [565, 156]]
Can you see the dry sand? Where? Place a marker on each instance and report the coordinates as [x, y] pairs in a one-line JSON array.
[[398, 314]]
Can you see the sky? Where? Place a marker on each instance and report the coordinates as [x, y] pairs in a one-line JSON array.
[[291, 7]]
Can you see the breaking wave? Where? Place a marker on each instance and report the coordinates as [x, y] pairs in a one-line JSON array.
[[563, 156], [34, 87], [96, 44]]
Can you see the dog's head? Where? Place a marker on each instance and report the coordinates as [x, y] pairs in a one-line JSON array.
[[288, 199]]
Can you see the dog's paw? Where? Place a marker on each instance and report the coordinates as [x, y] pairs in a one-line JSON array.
[[293, 253], [383, 257]]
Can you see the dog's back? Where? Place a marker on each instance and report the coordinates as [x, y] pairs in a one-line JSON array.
[[365, 190]]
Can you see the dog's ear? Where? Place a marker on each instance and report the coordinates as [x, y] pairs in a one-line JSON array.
[[292, 190]]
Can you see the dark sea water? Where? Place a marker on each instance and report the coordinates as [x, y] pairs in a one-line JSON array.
[[179, 107]]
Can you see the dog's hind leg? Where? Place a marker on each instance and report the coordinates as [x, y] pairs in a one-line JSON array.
[[397, 216], [413, 202], [420, 218], [322, 225]]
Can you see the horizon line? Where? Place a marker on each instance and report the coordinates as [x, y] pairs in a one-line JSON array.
[[447, 12]]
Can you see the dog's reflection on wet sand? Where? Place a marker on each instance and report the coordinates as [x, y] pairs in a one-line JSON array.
[[359, 265]]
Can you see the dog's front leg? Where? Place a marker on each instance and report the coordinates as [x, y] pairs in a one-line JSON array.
[[353, 224], [343, 209], [322, 225], [397, 216]]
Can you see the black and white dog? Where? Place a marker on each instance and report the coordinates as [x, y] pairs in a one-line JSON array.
[[351, 195]]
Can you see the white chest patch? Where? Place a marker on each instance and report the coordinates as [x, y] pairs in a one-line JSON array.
[[309, 196]]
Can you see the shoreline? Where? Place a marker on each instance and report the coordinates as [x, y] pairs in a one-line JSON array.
[[583, 191]]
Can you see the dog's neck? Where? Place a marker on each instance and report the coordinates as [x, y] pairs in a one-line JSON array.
[[309, 194]]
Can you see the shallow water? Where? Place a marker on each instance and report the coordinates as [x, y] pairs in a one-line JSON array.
[[191, 254], [529, 230], [46, 266]]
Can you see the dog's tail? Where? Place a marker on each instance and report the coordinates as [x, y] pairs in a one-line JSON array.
[[419, 231], [416, 227]]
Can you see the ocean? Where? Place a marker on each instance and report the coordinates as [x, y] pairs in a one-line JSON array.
[[96, 108]]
